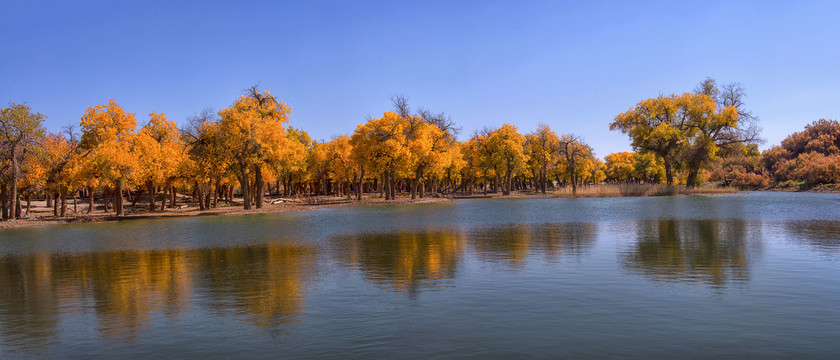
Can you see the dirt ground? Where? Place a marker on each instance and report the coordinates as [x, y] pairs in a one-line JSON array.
[[41, 215]]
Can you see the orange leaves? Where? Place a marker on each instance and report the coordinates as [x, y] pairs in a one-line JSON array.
[[253, 127], [106, 123], [109, 136], [506, 149], [380, 144], [340, 164], [620, 166], [811, 156], [159, 151], [428, 147], [624, 166], [688, 128], [540, 147]]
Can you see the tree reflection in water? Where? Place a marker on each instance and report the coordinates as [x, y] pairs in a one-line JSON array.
[[406, 261], [820, 235], [125, 290], [263, 284], [712, 252], [403, 261], [513, 244]]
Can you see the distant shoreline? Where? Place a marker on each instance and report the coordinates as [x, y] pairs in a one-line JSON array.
[[42, 216]]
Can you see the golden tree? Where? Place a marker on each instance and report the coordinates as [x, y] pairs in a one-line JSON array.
[[620, 166], [689, 128], [427, 145], [292, 167], [19, 130], [506, 149], [64, 169], [108, 137], [340, 164], [379, 146], [576, 157], [541, 146], [655, 126], [478, 156], [254, 134], [160, 153]]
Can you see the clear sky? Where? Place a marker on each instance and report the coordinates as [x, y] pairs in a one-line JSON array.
[[573, 65]]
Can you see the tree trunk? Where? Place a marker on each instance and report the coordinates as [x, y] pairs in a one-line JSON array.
[[669, 174], [243, 182], [118, 201], [414, 184], [15, 177], [260, 192], [28, 201], [55, 203], [207, 194], [361, 184], [382, 186], [17, 207], [219, 191], [693, 172], [151, 189], [391, 184], [63, 210], [4, 198], [90, 200], [106, 198], [386, 183], [542, 180], [198, 194]]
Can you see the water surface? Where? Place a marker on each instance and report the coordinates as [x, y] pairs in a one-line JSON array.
[[736, 276]]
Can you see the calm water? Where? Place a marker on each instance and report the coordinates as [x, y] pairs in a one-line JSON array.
[[739, 276]]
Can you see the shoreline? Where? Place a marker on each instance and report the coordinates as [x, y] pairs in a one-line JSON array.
[[141, 212], [42, 216]]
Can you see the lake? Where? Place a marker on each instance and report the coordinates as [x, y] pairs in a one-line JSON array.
[[752, 275]]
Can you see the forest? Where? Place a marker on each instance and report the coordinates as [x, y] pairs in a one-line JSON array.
[[247, 150]]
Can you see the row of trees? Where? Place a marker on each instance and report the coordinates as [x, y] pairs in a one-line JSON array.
[[807, 158], [249, 147]]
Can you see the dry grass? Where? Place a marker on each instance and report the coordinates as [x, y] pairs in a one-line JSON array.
[[617, 190]]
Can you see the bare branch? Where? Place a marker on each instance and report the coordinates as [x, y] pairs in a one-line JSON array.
[[400, 103]]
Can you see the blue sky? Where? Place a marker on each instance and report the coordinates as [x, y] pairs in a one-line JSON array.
[[573, 66]]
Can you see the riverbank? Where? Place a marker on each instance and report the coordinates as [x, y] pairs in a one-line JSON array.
[[795, 187], [42, 215]]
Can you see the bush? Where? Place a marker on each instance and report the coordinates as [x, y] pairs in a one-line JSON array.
[[752, 181], [815, 168]]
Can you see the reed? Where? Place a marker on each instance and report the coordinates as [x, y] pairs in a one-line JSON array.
[[633, 190]]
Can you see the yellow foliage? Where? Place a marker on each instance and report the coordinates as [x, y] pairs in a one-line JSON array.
[[109, 137], [620, 166], [159, 150]]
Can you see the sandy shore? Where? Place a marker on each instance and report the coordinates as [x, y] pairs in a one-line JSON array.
[[41, 215]]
